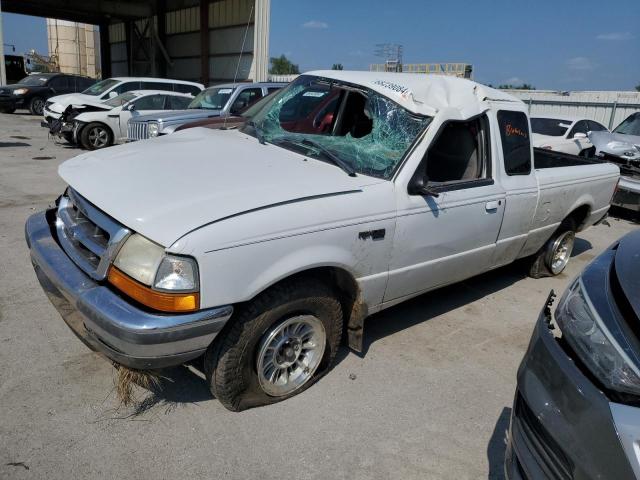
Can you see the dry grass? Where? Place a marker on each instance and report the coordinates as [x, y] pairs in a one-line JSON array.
[[126, 379]]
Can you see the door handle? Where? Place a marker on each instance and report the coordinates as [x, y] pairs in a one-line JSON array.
[[492, 206]]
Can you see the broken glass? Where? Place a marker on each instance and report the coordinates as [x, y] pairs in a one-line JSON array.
[[376, 151]]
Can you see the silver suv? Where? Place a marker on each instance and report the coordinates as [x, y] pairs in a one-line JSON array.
[[221, 100]]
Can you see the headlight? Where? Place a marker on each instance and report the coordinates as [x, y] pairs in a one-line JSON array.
[[20, 91], [154, 278], [153, 129], [587, 334]]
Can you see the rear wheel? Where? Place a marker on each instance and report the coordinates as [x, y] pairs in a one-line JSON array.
[[95, 136], [554, 256], [277, 346], [36, 105]]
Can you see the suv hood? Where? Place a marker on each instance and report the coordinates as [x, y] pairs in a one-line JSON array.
[[166, 187], [181, 116]]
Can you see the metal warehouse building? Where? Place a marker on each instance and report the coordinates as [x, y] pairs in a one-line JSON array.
[[209, 41]]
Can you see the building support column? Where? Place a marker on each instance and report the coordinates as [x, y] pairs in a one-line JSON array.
[[204, 42], [3, 71], [161, 15], [105, 51], [128, 33], [260, 63]]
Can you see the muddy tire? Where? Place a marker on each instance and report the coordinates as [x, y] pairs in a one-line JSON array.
[[276, 346], [553, 257], [96, 136], [36, 105]]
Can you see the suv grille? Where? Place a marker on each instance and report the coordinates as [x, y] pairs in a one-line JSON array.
[[88, 236], [137, 131]]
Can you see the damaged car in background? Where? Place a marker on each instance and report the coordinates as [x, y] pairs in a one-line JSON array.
[[622, 147], [97, 125], [576, 412], [261, 248]]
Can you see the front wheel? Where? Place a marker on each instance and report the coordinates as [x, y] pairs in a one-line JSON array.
[[279, 345], [36, 105], [95, 136]]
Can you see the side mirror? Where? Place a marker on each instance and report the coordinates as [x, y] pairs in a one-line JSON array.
[[579, 135], [113, 94], [420, 186]]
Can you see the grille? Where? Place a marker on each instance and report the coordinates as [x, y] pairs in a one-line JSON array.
[[548, 451], [137, 131], [90, 237]]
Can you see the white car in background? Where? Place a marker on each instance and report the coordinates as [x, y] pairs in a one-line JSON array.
[[564, 134], [111, 88], [97, 125]]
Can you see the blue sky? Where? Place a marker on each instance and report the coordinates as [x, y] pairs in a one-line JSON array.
[[562, 44]]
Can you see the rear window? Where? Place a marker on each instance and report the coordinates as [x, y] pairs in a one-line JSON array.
[[516, 146], [185, 88], [552, 127]]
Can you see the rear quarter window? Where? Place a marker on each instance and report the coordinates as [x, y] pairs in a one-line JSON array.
[[516, 144]]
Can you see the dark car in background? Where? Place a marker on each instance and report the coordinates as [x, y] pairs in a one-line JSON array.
[[576, 413], [33, 90]]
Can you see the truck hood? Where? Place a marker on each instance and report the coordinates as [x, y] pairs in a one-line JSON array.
[[169, 186], [181, 116]]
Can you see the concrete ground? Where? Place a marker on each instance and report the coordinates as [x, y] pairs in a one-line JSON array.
[[430, 398]]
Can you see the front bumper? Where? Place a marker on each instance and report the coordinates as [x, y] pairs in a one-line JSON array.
[[562, 425], [107, 322], [50, 115], [11, 102]]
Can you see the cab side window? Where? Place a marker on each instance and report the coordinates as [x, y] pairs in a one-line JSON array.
[[516, 144], [460, 153]]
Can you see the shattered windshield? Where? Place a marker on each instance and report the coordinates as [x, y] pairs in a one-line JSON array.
[[630, 126], [212, 98], [366, 131]]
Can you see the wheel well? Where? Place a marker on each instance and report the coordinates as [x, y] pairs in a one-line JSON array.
[[348, 292], [579, 216]]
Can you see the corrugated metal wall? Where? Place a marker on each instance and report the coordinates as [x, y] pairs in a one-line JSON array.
[[607, 107], [231, 23]]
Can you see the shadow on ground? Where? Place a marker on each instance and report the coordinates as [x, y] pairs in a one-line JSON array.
[[497, 446]]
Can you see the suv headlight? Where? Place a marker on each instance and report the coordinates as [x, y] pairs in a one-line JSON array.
[[587, 334], [20, 91], [153, 129], [146, 273]]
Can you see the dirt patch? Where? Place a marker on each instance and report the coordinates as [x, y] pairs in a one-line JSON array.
[[20, 137]]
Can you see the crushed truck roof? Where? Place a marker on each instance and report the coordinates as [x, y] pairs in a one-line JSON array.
[[424, 94]]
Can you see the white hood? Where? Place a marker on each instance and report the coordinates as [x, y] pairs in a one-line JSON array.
[[61, 102], [166, 187]]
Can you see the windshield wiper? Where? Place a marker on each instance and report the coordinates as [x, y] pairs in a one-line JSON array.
[[258, 130], [329, 155]]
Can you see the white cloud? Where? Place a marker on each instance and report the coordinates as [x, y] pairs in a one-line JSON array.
[[580, 63], [315, 24], [514, 80], [616, 36]]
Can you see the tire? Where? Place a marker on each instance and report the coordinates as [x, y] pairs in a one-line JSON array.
[[7, 110], [232, 361], [96, 136], [553, 257], [36, 105]]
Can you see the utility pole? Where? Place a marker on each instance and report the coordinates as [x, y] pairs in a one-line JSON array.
[[3, 72]]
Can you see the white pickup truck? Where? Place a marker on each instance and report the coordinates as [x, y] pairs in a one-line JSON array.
[[262, 247]]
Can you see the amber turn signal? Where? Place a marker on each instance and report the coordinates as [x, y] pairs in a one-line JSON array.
[[162, 301]]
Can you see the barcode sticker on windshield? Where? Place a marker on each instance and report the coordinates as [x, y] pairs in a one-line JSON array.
[[225, 90], [314, 94]]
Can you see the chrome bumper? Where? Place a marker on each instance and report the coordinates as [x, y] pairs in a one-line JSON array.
[[107, 322]]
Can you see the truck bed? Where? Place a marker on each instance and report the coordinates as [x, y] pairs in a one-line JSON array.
[[543, 158]]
